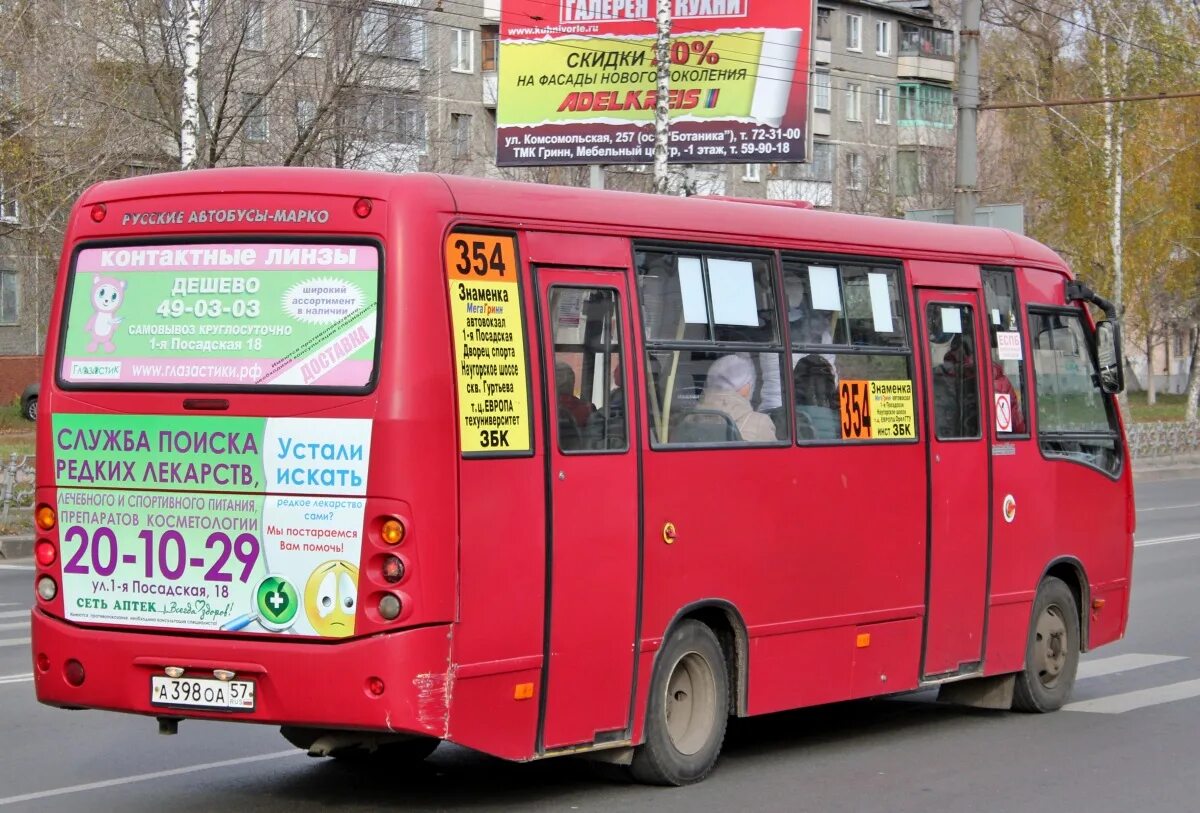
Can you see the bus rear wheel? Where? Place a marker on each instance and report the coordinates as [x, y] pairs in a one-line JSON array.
[[1052, 652], [687, 711]]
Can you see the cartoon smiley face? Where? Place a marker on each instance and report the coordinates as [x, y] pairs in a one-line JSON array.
[[330, 598]]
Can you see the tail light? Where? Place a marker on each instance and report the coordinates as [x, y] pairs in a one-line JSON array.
[[393, 569], [45, 517], [47, 588], [46, 553], [390, 607]]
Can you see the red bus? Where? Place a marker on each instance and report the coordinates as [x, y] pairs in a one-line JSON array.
[[391, 460]]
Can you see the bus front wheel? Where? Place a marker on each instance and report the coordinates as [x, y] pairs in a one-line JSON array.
[[1052, 652], [688, 709]]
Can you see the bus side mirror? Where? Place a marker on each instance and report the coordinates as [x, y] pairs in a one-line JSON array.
[[1109, 357]]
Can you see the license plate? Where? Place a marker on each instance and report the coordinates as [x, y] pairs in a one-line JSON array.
[[203, 693]]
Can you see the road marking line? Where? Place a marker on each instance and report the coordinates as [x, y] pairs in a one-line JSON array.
[[1122, 663], [14, 614], [13, 641], [145, 777], [23, 626], [16, 567], [4, 679], [1167, 540], [1128, 701], [1169, 507]]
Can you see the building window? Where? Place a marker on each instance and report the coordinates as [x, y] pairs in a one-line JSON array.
[[254, 113], [883, 106], [306, 114], [489, 42], [928, 105], [920, 40], [853, 101], [821, 90], [462, 53], [309, 38], [824, 23], [752, 173], [395, 120], [854, 172], [256, 26], [883, 38], [908, 182], [460, 127], [10, 209], [386, 33], [853, 32], [10, 299]]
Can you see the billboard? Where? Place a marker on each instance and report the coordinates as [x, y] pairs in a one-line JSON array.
[[578, 78]]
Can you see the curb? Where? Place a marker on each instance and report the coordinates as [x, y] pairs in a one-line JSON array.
[[16, 547]]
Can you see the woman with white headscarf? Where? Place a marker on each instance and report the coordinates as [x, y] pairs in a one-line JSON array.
[[727, 389]]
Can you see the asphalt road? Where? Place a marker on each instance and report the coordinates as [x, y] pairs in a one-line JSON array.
[[1128, 742]]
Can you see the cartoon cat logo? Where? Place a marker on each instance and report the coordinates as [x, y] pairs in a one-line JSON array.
[[107, 296]]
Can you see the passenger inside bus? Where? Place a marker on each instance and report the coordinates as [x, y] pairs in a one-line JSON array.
[[816, 399], [727, 389], [573, 413], [961, 356]]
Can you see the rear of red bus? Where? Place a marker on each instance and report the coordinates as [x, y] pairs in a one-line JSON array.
[[243, 511]]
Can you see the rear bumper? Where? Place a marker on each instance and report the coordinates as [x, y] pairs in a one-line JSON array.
[[305, 684]]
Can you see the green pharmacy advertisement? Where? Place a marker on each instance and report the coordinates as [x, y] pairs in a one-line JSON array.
[[248, 525]]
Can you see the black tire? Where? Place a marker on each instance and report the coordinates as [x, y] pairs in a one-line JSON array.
[[691, 685], [1052, 651], [30, 409]]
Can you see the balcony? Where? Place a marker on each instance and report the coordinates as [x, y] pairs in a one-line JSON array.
[[925, 53]]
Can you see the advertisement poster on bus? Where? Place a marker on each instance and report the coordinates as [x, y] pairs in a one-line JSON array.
[[218, 524], [577, 82], [227, 314]]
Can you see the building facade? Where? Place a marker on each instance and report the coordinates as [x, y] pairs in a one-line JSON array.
[[397, 86]]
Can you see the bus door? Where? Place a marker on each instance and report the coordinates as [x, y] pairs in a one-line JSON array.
[[592, 493], [955, 418]]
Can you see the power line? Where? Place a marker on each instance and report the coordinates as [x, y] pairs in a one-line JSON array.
[[1144, 97]]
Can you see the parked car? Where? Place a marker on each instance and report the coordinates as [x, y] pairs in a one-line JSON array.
[[29, 399]]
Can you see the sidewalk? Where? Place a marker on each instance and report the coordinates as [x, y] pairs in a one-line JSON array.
[[1168, 468], [16, 547]]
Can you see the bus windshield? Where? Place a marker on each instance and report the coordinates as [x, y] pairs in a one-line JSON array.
[[222, 316]]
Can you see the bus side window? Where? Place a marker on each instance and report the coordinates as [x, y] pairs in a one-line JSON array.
[[1075, 419], [846, 323], [713, 346], [953, 350], [589, 370], [1007, 352]]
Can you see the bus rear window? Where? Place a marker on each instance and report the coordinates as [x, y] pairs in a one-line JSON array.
[[222, 316]]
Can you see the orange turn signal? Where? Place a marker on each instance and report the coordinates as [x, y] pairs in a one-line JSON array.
[[45, 517], [392, 531]]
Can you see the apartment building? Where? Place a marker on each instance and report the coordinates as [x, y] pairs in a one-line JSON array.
[[398, 86]]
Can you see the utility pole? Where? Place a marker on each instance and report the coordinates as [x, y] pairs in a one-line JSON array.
[[189, 119], [662, 50], [966, 158]]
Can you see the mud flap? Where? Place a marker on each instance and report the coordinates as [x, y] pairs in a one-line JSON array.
[[981, 693]]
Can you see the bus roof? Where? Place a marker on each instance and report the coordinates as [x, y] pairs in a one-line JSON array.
[[551, 207]]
